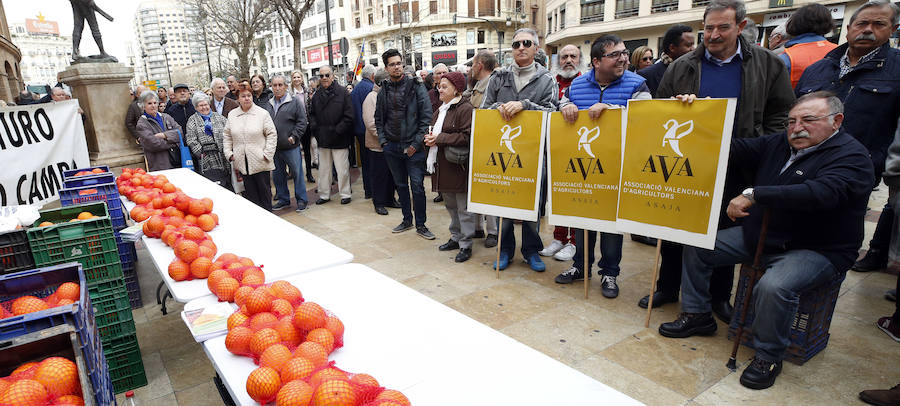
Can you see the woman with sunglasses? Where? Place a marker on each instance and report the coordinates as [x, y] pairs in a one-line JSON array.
[[641, 58]]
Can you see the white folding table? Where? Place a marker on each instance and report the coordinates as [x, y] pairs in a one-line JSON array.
[[432, 353]]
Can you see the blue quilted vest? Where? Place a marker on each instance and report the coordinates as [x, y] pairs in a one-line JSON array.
[[585, 92]]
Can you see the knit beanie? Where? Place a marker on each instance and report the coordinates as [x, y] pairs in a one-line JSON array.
[[457, 79]]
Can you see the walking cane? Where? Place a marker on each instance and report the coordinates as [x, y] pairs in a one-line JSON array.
[[754, 272]]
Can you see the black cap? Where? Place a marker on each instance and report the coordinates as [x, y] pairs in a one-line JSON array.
[[181, 86]]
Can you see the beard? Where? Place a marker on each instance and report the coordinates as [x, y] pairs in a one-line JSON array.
[[568, 73]]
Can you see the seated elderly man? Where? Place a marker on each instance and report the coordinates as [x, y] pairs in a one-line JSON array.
[[815, 182]]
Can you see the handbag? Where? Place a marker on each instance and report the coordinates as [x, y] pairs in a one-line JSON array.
[[457, 155], [186, 160]]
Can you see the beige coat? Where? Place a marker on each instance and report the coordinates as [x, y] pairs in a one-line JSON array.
[[368, 117], [249, 140]]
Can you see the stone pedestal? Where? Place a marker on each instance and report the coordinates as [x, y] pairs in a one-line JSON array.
[[102, 92]]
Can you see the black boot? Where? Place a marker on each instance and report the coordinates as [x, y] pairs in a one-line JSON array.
[[659, 298], [760, 374], [723, 310], [689, 324], [874, 260]]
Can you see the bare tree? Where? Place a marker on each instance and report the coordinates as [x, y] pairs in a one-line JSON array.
[[292, 13], [235, 24]]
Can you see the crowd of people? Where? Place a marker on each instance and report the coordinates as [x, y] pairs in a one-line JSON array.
[[815, 130]]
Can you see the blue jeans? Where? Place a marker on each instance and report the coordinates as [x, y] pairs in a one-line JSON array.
[[610, 252], [409, 176], [531, 241], [289, 158], [776, 295]]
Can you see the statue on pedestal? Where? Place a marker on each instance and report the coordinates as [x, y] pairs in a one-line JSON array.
[[85, 10]]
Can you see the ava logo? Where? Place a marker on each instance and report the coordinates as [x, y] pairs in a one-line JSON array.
[[582, 165], [675, 165], [511, 159], [76, 252], [509, 134]]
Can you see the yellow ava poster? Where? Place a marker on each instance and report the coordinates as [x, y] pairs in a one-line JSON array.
[[505, 161], [673, 169], [584, 162]]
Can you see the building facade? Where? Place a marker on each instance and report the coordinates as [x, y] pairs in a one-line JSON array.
[[314, 38], [10, 56], [44, 51], [644, 22], [171, 20]]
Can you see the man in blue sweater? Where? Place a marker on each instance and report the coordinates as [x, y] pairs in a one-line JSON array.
[[358, 96], [609, 83], [814, 181]]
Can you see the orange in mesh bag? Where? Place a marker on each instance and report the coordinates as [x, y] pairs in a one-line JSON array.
[[263, 384], [52, 381]]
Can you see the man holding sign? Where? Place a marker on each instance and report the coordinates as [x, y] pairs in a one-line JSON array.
[[609, 83], [524, 85], [815, 182]]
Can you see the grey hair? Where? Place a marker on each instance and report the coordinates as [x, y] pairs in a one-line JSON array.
[[55, 88], [781, 29], [212, 83], [531, 32], [368, 71], [279, 76], [834, 103], [895, 10], [380, 75], [740, 10], [750, 32], [199, 97], [147, 95]]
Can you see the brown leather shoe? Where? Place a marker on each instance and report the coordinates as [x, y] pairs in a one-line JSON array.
[[881, 397]]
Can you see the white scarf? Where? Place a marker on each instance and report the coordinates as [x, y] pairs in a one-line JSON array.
[[437, 129]]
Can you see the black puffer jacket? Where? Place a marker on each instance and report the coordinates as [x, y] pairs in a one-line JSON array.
[[331, 117]]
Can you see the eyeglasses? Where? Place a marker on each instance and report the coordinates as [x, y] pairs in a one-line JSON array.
[[525, 43], [807, 119], [324, 75], [395, 64], [647, 58], [616, 54]]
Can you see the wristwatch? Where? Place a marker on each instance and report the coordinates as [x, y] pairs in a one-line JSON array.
[[748, 193]]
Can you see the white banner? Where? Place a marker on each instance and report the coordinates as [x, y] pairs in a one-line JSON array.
[[37, 143]]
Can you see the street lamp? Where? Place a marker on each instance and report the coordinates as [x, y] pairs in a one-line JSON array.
[[494, 26], [162, 42], [146, 71]]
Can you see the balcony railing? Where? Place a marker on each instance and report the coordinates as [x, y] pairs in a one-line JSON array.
[[664, 6], [627, 12], [699, 3], [592, 19]]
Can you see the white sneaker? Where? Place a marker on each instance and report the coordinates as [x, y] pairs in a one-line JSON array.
[[566, 253], [554, 247]]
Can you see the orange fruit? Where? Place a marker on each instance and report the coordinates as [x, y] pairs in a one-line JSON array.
[[284, 290], [263, 339], [172, 212], [282, 308], [206, 252], [296, 368], [214, 278], [323, 337], [335, 326], [182, 202], [314, 352], [28, 304], [393, 395], [157, 203], [137, 181], [179, 270], [200, 268], [25, 392], [190, 218], [288, 333], [59, 376], [196, 207], [275, 357], [156, 225], [45, 224], [206, 222], [258, 301], [335, 392], [252, 280], [63, 302], [187, 250], [227, 257], [263, 384], [309, 316], [237, 319], [246, 261], [238, 340], [262, 320], [215, 217], [225, 289], [241, 295], [69, 400], [68, 290], [85, 215], [194, 233], [364, 380], [327, 374], [168, 187], [168, 201], [172, 238], [208, 203], [25, 371], [294, 393]]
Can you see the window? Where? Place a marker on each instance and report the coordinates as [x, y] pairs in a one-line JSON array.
[[415, 11], [592, 10], [485, 7], [661, 6], [453, 6], [433, 6], [371, 19], [699, 3], [471, 8], [373, 48], [342, 24], [356, 22], [562, 16], [626, 8], [550, 24], [470, 53], [481, 36]]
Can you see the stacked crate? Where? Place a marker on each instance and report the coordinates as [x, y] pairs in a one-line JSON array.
[[15, 254], [102, 187], [68, 331], [92, 243]]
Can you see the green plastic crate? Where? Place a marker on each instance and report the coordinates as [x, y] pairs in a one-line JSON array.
[[122, 352], [111, 308], [116, 330], [97, 272], [90, 242], [129, 377], [101, 289]]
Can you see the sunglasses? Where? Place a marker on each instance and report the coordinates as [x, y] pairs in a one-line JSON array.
[[526, 43], [324, 75], [647, 58]]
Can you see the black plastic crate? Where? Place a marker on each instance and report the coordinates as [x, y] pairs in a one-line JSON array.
[[15, 253], [133, 286]]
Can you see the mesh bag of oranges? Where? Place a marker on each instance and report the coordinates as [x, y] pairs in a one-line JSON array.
[[66, 293], [51, 381]]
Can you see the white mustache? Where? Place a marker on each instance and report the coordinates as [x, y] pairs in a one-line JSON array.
[[870, 37], [800, 134]]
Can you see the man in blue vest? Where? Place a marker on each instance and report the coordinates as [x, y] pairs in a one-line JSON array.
[[608, 84]]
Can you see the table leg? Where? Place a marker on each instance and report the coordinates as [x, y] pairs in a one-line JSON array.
[[167, 295], [223, 391], [158, 290]]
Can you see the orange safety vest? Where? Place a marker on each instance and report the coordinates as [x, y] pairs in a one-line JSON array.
[[803, 55]]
